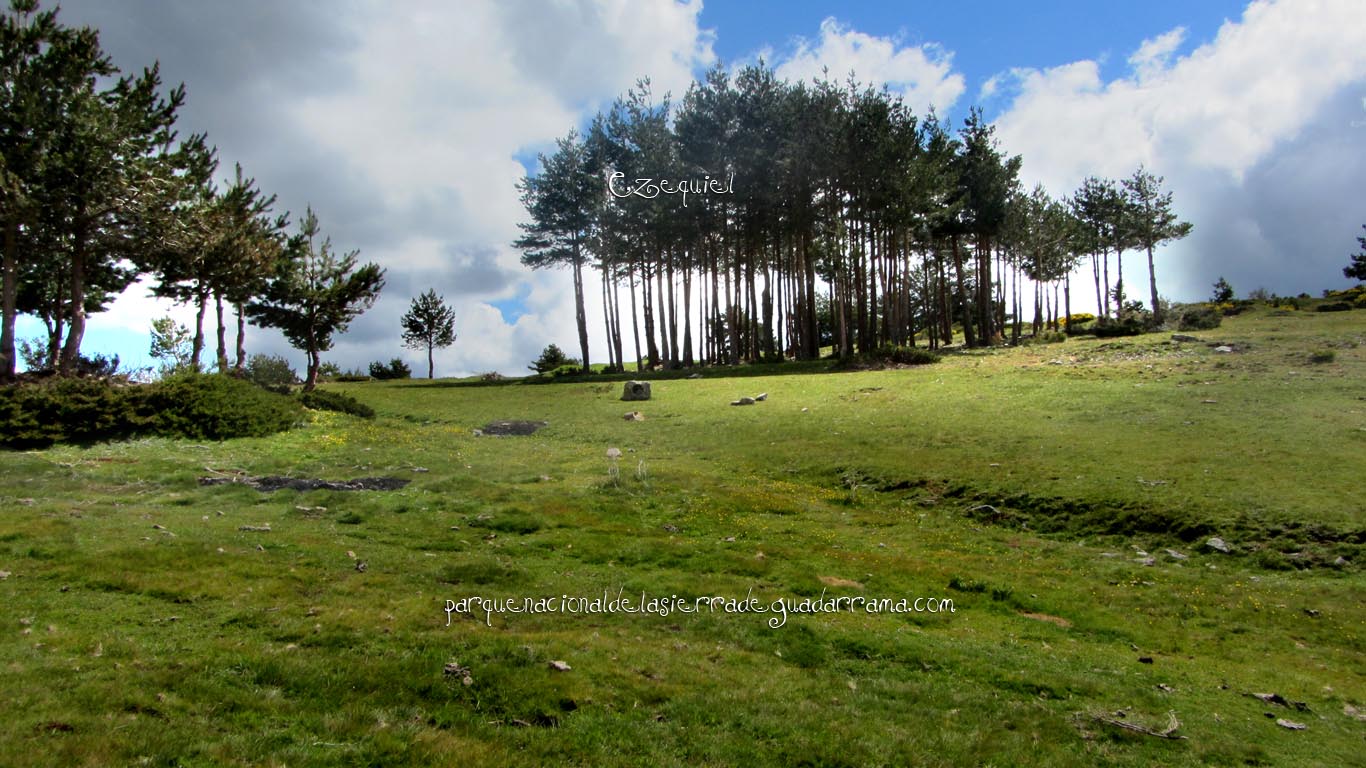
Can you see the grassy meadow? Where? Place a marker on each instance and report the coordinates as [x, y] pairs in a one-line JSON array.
[[1060, 495]]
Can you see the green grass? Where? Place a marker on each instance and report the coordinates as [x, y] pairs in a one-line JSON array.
[[144, 626]]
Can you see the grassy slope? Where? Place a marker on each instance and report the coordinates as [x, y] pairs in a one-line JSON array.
[[197, 643]]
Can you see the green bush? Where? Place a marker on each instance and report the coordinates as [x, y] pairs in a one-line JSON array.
[[1322, 356], [1106, 329], [1334, 306], [1199, 318], [214, 407], [270, 372], [72, 411], [396, 369], [326, 400], [552, 358], [218, 407]]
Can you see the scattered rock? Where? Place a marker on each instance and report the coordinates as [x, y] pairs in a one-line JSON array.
[[1276, 698], [1209, 401], [361, 565], [453, 669], [276, 483], [1223, 349], [158, 527], [1109, 554], [635, 390], [1311, 613], [1353, 712], [560, 666], [260, 548], [421, 469], [633, 416], [1165, 688], [1145, 560], [304, 509], [670, 527], [27, 502], [4, 575], [263, 528], [511, 428], [1183, 337], [762, 396], [614, 453], [1173, 554], [695, 376], [1218, 545], [729, 538], [1290, 725], [743, 401], [1341, 562]]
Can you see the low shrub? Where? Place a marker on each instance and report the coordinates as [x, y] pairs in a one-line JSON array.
[[218, 407], [1199, 318], [1333, 306], [396, 369], [1322, 356], [327, 400], [1109, 329], [491, 376], [1050, 337], [270, 372], [71, 410]]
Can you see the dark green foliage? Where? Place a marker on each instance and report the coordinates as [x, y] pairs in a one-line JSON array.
[[1322, 356], [218, 407], [270, 372], [212, 407], [552, 357], [1200, 318], [327, 400], [1333, 306], [1223, 292], [1130, 326], [396, 369], [352, 376], [1356, 269], [70, 410]]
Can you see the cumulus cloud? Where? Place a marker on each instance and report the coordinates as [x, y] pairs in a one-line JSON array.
[[923, 75], [1220, 122], [401, 126]]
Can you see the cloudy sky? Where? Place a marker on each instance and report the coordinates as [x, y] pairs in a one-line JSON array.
[[406, 126]]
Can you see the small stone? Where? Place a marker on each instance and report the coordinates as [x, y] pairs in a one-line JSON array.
[[1218, 545], [421, 469], [729, 538], [1173, 554], [262, 528], [743, 401], [671, 528], [1146, 560], [633, 416], [260, 548], [4, 575], [1341, 562], [361, 565], [695, 376], [614, 453], [762, 396], [1183, 337], [560, 666], [351, 554], [1290, 724]]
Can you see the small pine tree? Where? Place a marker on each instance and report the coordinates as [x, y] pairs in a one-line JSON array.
[[1356, 270], [552, 357], [173, 344], [429, 324], [1223, 292]]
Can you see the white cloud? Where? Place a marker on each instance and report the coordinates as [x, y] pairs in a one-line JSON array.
[[923, 75], [401, 127], [1214, 122]]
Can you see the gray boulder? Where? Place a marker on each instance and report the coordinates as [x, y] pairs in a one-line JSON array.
[[636, 390]]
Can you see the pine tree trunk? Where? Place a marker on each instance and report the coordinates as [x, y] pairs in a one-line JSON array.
[[241, 363], [580, 316], [969, 338], [1152, 287], [635, 324], [8, 298], [431, 365], [72, 351], [222, 333], [197, 354]]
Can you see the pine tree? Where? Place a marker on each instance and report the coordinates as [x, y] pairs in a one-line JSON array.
[[315, 294], [1356, 270], [428, 324], [1153, 222]]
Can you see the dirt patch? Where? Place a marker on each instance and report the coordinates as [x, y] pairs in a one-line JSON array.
[[835, 581], [1060, 621], [276, 483], [511, 428]]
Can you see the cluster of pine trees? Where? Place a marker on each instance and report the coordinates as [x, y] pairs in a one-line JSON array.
[[97, 190], [852, 222]]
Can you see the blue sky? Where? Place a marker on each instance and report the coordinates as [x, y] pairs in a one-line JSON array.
[[407, 127]]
